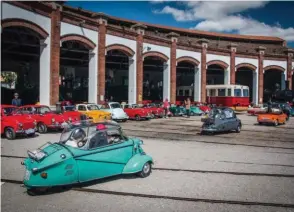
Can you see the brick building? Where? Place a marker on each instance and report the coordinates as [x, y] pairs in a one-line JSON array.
[[59, 51]]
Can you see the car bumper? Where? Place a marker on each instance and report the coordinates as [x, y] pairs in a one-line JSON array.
[[269, 121], [27, 131], [209, 130], [58, 125]]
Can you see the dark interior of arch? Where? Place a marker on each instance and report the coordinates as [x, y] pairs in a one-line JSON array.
[[74, 71], [153, 78], [215, 75], [116, 76], [244, 76], [20, 60], [271, 79]]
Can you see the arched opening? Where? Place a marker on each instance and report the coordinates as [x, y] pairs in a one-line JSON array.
[[74, 70], [20, 67], [188, 80], [117, 76], [155, 77], [215, 75], [247, 75], [273, 80]]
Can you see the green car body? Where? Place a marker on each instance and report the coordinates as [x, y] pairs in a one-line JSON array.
[[66, 165], [180, 111]]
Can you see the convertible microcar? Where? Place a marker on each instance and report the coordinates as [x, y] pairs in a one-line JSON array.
[[85, 152]]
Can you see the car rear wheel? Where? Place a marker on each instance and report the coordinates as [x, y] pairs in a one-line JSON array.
[[192, 114], [10, 133], [42, 128], [138, 118], [146, 170]]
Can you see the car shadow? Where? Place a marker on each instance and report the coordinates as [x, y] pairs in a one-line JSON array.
[[62, 189]]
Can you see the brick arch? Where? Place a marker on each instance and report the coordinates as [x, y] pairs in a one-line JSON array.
[[156, 54], [218, 62], [17, 22], [126, 50], [246, 65], [279, 68], [79, 38], [188, 59]]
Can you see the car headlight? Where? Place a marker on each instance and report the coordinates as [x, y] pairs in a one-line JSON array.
[[20, 125], [53, 120]]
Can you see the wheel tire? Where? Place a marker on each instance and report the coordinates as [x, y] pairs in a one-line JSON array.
[[9, 133], [276, 123], [32, 192], [138, 118], [192, 114], [259, 123], [238, 130], [42, 128], [124, 120], [146, 170]]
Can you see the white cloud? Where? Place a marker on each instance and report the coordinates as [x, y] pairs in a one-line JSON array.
[[246, 26], [224, 17]]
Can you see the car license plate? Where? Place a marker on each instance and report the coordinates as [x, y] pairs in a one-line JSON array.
[[30, 131], [27, 175]]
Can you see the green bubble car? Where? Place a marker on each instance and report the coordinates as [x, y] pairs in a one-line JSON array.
[[85, 152]]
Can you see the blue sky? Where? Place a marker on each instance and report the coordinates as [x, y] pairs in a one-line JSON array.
[[251, 17]]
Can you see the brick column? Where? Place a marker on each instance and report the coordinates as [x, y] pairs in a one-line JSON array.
[[101, 59], [173, 66], [290, 53], [261, 50], [204, 44], [55, 54], [233, 48], [140, 29]]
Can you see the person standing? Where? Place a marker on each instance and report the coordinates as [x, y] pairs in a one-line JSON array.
[[188, 106], [165, 107], [16, 101]]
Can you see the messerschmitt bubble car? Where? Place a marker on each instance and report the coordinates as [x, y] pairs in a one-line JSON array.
[[221, 119], [85, 152]]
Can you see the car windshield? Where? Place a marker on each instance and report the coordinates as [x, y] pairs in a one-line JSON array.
[[10, 110], [92, 107], [214, 113], [69, 108], [88, 135], [115, 105], [42, 110]]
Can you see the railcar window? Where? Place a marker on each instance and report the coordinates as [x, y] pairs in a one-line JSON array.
[[229, 92], [181, 93], [237, 92], [187, 92], [221, 92], [245, 93], [213, 92]]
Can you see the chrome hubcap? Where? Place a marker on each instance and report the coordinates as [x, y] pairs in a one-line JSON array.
[[146, 168]]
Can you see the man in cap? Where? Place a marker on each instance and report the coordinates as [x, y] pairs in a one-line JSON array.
[[16, 101]]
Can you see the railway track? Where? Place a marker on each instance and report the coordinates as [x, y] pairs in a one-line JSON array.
[[78, 188], [207, 171]]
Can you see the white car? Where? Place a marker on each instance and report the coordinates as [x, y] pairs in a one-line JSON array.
[[117, 113]]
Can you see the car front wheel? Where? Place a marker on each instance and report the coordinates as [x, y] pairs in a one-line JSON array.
[[146, 170], [138, 118], [42, 128], [238, 130], [10, 133]]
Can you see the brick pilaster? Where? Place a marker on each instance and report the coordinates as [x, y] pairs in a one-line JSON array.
[[173, 67], [101, 60], [204, 44], [140, 29], [290, 53], [261, 50], [233, 48], [55, 55]]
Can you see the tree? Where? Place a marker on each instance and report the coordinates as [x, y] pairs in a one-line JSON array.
[[8, 77]]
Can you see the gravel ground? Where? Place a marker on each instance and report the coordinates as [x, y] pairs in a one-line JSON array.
[[245, 160]]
